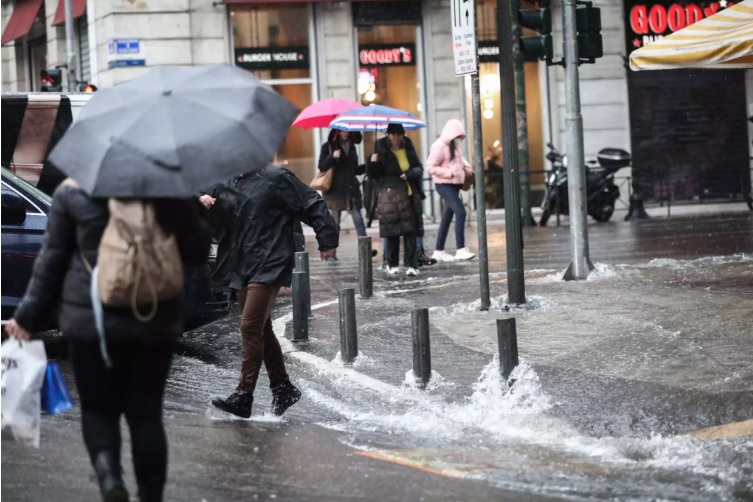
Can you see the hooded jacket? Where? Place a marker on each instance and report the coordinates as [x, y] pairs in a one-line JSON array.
[[255, 219], [345, 192], [443, 168]]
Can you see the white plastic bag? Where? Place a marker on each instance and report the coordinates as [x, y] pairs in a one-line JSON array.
[[23, 368]]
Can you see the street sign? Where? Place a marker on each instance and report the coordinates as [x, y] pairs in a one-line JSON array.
[[125, 52], [464, 37]]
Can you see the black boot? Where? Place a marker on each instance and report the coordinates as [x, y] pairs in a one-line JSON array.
[[422, 259], [284, 396], [236, 404], [109, 476]]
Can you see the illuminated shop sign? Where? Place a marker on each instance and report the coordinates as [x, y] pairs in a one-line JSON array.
[[647, 22], [387, 55], [272, 58]]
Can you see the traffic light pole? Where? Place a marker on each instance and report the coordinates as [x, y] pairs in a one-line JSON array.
[[70, 38], [580, 265], [478, 160], [516, 293]]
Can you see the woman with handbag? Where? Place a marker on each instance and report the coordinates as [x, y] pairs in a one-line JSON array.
[[449, 170], [339, 159]]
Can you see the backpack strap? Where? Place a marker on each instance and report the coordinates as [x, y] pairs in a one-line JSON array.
[[143, 272]]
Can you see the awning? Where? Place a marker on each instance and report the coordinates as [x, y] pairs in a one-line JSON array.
[[79, 9], [21, 20], [724, 40]]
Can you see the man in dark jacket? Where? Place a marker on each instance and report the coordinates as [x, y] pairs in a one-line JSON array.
[[255, 216]]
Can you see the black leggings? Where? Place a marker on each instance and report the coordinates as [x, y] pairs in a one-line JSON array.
[[133, 387]]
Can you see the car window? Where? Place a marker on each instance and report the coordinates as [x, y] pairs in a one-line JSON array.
[[31, 208]]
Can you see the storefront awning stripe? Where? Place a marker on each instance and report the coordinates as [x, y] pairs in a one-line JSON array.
[[21, 20], [724, 40], [79, 9]]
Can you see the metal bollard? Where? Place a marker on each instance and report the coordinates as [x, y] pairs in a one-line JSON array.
[[348, 333], [302, 265], [300, 318], [508, 346], [365, 270], [421, 349]]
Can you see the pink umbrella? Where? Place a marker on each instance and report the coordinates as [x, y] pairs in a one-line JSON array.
[[321, 113]]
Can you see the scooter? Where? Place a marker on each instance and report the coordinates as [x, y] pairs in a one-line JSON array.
[[600, 188]]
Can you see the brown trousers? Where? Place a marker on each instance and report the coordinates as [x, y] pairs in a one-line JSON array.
[[257, 338]]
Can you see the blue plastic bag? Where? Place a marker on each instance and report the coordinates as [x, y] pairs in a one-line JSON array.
[[55, 396]]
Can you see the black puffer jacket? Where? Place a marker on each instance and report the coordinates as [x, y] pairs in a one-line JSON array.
[[345, 192], [394, 208], [61, 281], [255, 219]]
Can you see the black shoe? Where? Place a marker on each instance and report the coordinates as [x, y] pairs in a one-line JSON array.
[[109, 476], [422, 259], [236, 404], [374, 252], [284, 396]]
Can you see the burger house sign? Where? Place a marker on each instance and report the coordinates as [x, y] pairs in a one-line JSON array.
[[650, 21]]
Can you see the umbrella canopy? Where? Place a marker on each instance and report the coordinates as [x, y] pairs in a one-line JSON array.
[[724, 40], [321, 113], [375, 118], [173, 131]]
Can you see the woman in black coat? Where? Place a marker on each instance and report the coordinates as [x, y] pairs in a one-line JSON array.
[[397, 170], [140, 352]]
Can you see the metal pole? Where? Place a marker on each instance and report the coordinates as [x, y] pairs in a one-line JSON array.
[[513, 236], [300, 316], [70, 37], [478, 160], [348, 334], [576, 171], [507, 337], [522, 114], [421, 350], [365, 269], [302, 265]]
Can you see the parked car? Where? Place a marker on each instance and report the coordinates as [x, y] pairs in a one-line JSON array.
[[24, 220]]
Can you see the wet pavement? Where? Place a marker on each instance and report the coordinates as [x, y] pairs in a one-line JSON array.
[[615, 372]]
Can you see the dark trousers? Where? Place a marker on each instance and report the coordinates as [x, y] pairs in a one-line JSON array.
[[450, 195], [257, 338], [409, 254], [133, 387], [357, 220]]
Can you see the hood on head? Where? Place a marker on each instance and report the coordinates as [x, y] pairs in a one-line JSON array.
[[452, 129], [354, 136]]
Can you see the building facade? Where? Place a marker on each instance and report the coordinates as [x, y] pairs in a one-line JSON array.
[[688, 131]]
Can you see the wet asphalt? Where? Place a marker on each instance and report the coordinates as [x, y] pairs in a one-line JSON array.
[[615, 371]]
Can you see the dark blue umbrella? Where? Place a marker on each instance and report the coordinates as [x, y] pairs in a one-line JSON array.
[[375, 118], [173, 131]]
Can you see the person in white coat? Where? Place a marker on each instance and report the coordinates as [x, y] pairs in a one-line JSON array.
[[448, 169]]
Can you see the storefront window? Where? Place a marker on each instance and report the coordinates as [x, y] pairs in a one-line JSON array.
[[273, 43], [388, 73]]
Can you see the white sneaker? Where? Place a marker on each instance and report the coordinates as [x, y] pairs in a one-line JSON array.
[[392, 270], [442, 256], [411, 272], [464, 254]]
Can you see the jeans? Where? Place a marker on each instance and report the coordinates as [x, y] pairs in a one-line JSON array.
[[357, 220], [393, 251], [258, 341], [452, 205], [133, 387]]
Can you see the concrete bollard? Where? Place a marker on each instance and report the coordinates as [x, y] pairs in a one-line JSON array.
[[348, 333], [421, 349], [508, 346], [365, 270], [302, 265], [300, 317]]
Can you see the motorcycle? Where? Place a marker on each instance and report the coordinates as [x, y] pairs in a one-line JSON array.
[[600, 188]]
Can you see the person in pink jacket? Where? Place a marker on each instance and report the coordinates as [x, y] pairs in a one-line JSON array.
[[448, 168]]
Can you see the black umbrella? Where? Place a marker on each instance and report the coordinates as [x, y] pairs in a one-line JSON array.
[[174, 131]]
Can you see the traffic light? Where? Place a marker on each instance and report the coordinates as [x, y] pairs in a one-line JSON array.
[[588, 26], [540, 20], [87, 87], [52, 80]]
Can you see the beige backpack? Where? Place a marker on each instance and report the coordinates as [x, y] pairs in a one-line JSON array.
[[138, 264]]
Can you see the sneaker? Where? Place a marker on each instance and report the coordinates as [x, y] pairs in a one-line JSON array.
[[411, 272], [235, 404], [332, 258], [464, 254], [442, 256], [392, 270], [284, 396]]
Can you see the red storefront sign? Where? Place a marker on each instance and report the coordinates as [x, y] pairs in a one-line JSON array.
[[383, 55]]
